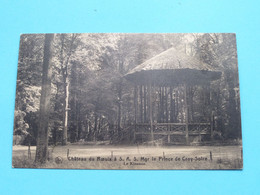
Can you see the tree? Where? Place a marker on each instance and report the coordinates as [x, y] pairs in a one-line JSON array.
[[42, 136], [66, 47], [219, 50], [28, 87]]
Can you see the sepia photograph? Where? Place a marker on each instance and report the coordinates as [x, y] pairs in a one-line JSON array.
[[148, 101]]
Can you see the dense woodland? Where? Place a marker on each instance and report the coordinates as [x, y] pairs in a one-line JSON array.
[[87, 97]]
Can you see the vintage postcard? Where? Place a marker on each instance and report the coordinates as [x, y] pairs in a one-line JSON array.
[[128, 101]]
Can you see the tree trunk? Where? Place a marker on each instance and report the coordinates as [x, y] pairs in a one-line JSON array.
[[79, 125], [119, 107], [56, 124], [42, 136], [66, 109], [90, 131], [64, 64], [95, 127]]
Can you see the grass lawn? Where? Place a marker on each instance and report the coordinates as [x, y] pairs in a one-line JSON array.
[[133, 157]]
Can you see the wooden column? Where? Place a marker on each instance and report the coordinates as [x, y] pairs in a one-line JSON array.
[[166, 106], [150, 110], [176, 105], [145, 103], [162, 106], [141, 103], [186, 115], [211, 113], [171, 106], [135, 108]]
